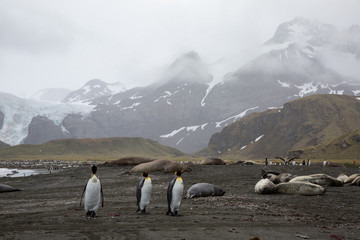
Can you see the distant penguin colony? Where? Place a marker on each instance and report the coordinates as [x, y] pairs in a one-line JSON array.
[[143, 192], [174, 194], [93, 195]]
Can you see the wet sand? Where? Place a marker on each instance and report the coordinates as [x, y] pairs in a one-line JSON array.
[[48, 207]]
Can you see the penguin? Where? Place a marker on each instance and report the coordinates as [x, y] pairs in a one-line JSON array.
[[174, 194], [93, 195], [143, 192]]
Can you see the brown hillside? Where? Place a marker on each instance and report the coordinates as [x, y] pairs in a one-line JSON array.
[[304, 122], [346, 146]]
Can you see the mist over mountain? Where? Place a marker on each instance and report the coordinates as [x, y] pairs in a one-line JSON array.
[[186, 106], [51, 94], [93, 89]]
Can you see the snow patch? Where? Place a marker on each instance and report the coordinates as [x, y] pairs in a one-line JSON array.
[[179, 141], [173, 133], [356, 92], [135, 97], [167, 94], [64, 130], [188, 129], [307, 88], [242, 114], [283, 84], [258, 138], [243, 147], [211, 85], [130, 107]]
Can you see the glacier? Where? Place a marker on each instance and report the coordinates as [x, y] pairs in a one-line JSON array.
[[19, 112]]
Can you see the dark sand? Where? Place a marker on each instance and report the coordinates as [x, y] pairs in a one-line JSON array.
[[48, 207]]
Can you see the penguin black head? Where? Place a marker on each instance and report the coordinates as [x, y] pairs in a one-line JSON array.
[[145, 174], [93, 169], [179, 172]]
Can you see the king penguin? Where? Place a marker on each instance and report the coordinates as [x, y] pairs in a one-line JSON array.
[[174, 194], [93, 195], [143, 192]]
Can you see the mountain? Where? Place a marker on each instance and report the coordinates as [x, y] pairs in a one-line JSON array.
[[346, 146], [3, 145], [21, 118], [51, 94], [97, 149], [308, 121], [93, 89], [186, 106]]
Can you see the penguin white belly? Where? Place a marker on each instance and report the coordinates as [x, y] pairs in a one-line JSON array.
[[145, 194], [177, 193], [92, 195]]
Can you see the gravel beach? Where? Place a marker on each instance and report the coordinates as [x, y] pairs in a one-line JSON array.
[[48, 207]]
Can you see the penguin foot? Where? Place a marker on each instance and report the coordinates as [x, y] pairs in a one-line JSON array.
[[91, 214], [175, 214], [144, 211]]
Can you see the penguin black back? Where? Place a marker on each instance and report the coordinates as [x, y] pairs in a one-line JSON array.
[[93, 169]]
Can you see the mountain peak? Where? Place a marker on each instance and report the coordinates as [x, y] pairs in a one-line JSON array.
[[93, 89], [303, 31], [188, 68]]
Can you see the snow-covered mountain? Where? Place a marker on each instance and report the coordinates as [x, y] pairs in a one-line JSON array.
[[93, 89], [337, 50], [186, 106], [16, 115]]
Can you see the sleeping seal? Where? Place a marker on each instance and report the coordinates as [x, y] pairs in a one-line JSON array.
[[342, 177], [351, 178], [264, 186], [356, 181], [7, 188], [320, 179], [204, 190], [299, 188]]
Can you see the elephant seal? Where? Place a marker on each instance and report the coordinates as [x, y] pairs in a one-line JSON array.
[[284, 177], [7, 188], [276, 177], [299, 188], [356, 181], [342, 177], [130, 161], [351, 178], [212, 161], [204, 190], [160, 165], [264, 186], [320, 179]]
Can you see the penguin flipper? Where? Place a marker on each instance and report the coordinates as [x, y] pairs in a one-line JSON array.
[[83, 193], [138, 191], [102, 196], [169, 193]]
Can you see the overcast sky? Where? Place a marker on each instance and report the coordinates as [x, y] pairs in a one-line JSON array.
[[65, 43]]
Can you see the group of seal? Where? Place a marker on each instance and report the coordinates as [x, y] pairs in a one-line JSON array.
[[94, 194], [274, 182]]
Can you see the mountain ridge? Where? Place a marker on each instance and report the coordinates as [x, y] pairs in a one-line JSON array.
[[300, 123]]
